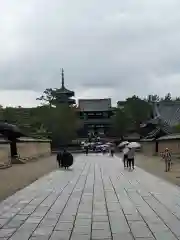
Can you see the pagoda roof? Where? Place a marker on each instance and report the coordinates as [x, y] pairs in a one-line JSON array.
[[63, 89]]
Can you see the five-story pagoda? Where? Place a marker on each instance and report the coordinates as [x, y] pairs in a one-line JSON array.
[[63, 95]]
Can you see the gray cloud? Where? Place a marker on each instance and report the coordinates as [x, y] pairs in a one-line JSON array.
[[124, 46]]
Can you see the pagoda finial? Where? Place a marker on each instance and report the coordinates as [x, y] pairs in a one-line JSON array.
[[62, 78]]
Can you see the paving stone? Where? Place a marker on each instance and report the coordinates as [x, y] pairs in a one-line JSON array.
[[155, 228], [145, 239], [84, 215], [39, 238], [60, 235], [124, 236], [119, 227], [8, 215], [48, 222], [100, 225], [101, 234], [3, 222], [99, 218], [133, 217], [67, 218], [21, 217], [82, 222], [139, 229], [82, 230], [6, 232], [80, 237], [14, 224], [64, 226], [164, 236], [136, 201], [43, 231], [20, 235]]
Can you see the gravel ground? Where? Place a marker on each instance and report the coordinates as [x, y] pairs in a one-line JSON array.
[[155, 165], [19, 176]]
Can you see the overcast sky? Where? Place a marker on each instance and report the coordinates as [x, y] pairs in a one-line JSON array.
[[107, 48]]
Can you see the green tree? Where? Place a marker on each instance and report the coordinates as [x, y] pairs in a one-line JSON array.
[[61, 123], [54, 97], [176, 128], [120, 123], [48, 96], [153, 98], [137, 110], [168, 97]]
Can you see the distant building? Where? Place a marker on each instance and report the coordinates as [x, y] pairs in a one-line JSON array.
[[121, 104], [63, 95], [165, 116], [96, 115]]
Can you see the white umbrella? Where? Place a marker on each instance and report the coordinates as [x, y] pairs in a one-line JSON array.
[[110, 144], [122, 144], [134, 145], [125, 150], [87, 144]]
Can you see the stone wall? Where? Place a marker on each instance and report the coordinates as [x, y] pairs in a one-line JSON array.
[[172, 144], [148, 147], [28, 149], [4, 152]]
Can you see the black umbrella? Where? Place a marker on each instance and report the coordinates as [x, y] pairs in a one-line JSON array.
[[10, 131], [67, 159]]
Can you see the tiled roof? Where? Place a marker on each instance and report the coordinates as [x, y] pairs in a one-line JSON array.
[[163, 126], [94, 104], [170, 136], [153, 133], [169, 112], [64, 90], [147, 140]]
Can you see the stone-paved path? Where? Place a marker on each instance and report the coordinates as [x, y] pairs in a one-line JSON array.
[[97, 199]]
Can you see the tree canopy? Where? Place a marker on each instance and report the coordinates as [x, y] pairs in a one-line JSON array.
[[134, 112], [60, 122]]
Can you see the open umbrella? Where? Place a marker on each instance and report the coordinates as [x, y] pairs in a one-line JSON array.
[[125, 150], [122, 144], [134, 145], [10, 131]]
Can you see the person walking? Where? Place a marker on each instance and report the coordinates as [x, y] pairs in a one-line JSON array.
[[86, 148], [125, 157], [58, 158], [130, 155], [167, 159], [67, 159], [112, 151]]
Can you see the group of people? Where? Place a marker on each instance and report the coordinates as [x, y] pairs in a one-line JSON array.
[[129, 154], [64, 159], [104, 150], [128, 159]]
